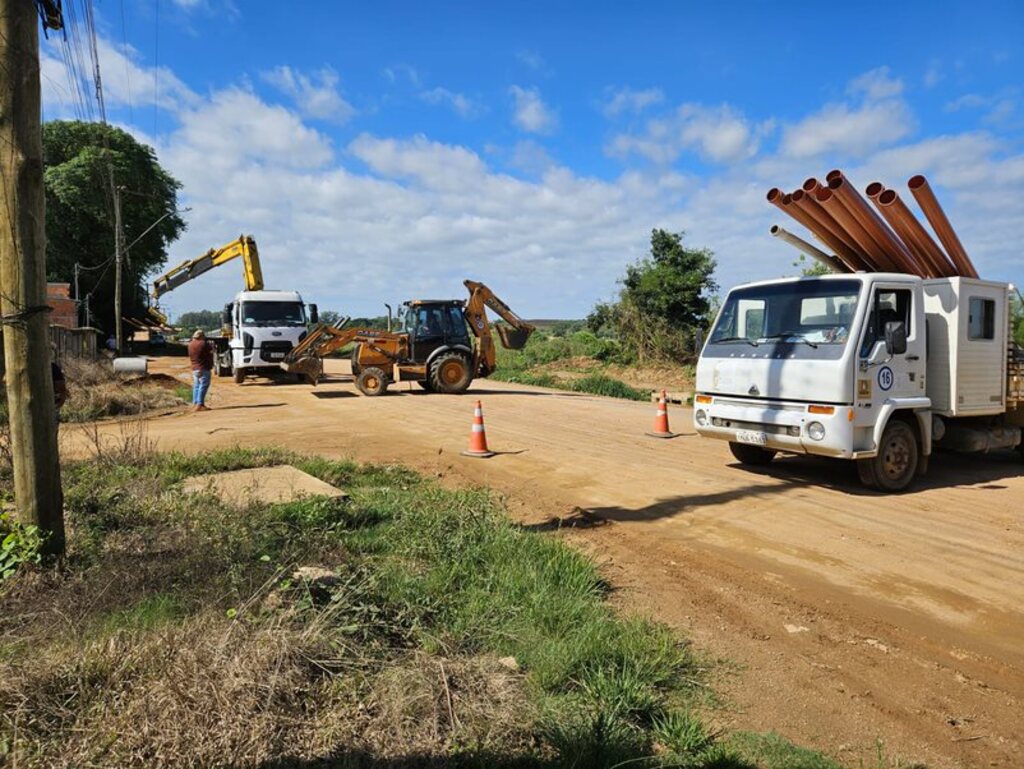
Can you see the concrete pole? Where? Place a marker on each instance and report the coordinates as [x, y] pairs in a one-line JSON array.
[[29, 383]]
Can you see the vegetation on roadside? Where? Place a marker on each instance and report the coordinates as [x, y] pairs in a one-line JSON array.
[[405, 625], [95, 391]]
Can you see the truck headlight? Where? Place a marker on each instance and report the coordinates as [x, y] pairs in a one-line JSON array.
[[815, 431], [701, 417]]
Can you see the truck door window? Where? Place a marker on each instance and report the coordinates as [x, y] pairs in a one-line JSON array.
[[888, 304], [981, 320], [750, 318]]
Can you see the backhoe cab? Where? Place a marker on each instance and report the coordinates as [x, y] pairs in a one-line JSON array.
[[442, 345]]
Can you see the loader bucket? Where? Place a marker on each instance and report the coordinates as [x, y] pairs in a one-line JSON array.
[[513, 338], [309, 368]]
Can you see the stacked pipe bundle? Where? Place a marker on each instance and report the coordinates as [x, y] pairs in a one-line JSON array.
[[889, 240]]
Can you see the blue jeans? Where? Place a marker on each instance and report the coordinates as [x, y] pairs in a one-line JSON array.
[[200, 384]]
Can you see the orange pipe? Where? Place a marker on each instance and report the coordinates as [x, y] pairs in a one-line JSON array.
[[891, 246], [784, 202], [845, 246], [868, 251], [913, 233], [925, 198]]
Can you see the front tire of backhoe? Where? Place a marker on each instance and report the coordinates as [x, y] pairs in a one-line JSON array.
[[372, 381], [450, 373], [896, 464]]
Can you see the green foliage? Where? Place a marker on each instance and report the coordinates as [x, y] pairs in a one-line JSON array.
[[810, 268], [771, 751], [79, 159], [663, 302], [1017, 315], [19, 545], [207, 320], [601, 384]]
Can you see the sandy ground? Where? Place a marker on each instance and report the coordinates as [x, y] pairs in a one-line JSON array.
[[844, 617]]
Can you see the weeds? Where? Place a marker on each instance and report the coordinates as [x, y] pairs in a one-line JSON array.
[[408, 621], [20, 545]]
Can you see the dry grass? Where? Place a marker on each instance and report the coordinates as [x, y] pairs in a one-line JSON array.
[[95, 392]]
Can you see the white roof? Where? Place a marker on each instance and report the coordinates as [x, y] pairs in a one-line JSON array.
[[268, 296]]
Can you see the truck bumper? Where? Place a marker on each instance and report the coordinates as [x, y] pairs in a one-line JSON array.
[[780, 426]]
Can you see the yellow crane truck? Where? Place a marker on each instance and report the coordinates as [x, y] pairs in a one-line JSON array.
[[432, 346]]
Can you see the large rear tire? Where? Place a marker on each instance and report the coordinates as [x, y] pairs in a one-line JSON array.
[[372, 381], [751, 455], [450, 373], [425, 384], [897, 461]]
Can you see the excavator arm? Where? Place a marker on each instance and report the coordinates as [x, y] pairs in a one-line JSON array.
[[513, 336], [244, 247], [306, 358]]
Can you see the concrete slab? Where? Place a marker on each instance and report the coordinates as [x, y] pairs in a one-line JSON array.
[[271, 485]]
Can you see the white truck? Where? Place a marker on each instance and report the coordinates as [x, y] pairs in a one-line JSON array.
[[264, 327], [876, 367]]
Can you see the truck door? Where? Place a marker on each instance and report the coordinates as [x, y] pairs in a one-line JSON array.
[[882, 376]]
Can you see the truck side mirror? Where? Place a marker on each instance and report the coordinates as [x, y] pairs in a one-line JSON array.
[[314, 314], [895, 337], [225, 316]]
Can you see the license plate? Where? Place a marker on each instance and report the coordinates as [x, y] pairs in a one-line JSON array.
[[275, 356], [752, 437]]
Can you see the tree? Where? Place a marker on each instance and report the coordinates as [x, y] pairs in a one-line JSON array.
[[208, 320], [78, 159], [810, 268], [665, 299]]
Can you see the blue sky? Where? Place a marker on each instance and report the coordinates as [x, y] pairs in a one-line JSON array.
[[388, 150]]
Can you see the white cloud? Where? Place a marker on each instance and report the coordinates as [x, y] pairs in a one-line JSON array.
[[463, 105], [842, 130], [531, 113], [316, 95], [933, 75], [719, 134], [999, 109], [621, 100], [875, 85], [398, 72], [531, 59]]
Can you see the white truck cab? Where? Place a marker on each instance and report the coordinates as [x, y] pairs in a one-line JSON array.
[[873, 367], [263, 327]]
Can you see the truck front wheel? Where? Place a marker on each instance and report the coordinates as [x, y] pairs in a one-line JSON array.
[[751, 455], [238, 375], [896, 463]]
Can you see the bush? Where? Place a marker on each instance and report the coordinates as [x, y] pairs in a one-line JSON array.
[[600, 384]]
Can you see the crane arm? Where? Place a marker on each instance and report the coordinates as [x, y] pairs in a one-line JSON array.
[[244, 247], [513, 337]]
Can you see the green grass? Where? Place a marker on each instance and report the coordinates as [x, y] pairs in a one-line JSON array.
[[180, 600]]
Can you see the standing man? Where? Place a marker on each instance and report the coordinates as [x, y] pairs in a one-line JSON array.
[[200, 353]]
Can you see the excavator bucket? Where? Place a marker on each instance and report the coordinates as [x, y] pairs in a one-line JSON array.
[[513, 338], [309, 368]]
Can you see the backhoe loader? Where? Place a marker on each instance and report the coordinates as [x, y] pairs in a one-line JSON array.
[[432, 346]]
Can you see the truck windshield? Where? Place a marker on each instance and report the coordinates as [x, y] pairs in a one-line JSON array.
[[811, 318], [273, 314]]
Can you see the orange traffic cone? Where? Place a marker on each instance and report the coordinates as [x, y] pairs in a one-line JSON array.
[[478, 436], [661, 420]]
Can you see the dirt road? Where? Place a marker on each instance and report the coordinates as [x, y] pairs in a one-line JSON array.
[[846, 617]]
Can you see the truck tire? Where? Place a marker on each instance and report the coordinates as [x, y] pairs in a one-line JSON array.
[[238, 375], [372, 381], [425, 384], [223, 367], [450, 373], [751, 455], [897, 461]]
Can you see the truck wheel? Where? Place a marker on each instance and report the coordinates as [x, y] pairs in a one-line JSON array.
[[896, 463], [239, 375], [372, 381], [223, 366], [751, 455], [355, 360], [449, 373]]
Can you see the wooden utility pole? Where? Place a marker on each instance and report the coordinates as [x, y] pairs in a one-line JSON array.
[[118, 257], [30, 403]]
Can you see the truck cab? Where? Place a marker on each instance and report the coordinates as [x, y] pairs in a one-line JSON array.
[[261, 329], [852, 366]]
